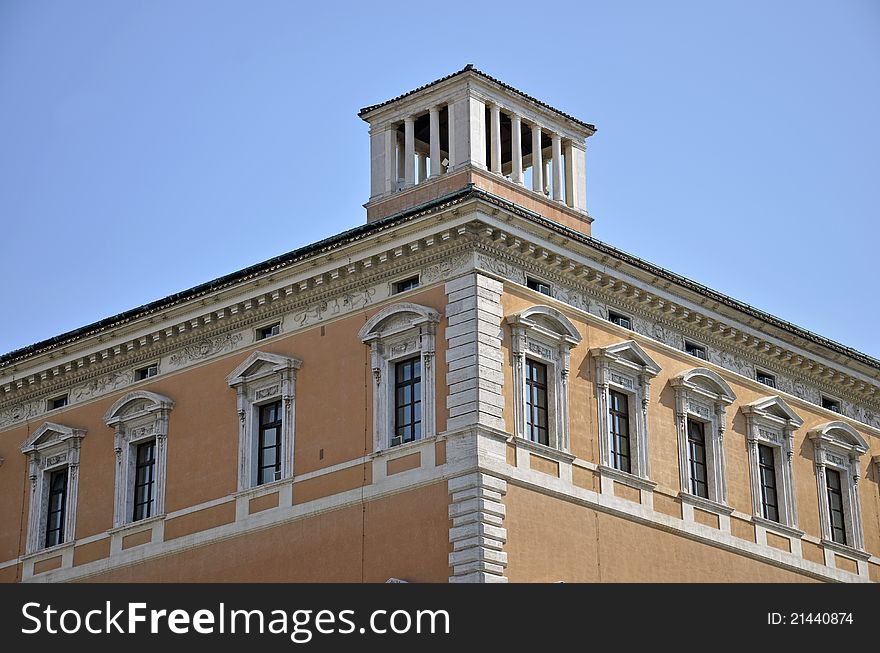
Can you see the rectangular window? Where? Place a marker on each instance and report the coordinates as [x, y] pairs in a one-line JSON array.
[[269, 331], [144, 480], [536, 402], [540, 286], [146, 372], [831, 404], [619, 412], [269, 444], [835, 505], [767, 469], [58, 402], [697, 351], [620, 320], [406, 284], [407, 401], [765, 378], [697, 459], [56, 507]]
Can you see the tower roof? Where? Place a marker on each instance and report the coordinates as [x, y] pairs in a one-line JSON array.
[[470, 69]]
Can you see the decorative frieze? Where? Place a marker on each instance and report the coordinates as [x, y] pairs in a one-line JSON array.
[[206, 348]]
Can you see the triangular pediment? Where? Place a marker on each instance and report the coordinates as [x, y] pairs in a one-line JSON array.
[[50, 434], [631, 352], [261, 363], [774, 406]]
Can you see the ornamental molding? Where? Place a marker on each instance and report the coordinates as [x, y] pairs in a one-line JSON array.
[[229, 328]]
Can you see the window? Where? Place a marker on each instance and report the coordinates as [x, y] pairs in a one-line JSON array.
[[144, 480], [269, 445], [540, 286], [53, 464], [407, 401], [838, 448], [620, 320], [57, 402], [146, 372], [767, 468], [268, 331], [55, 507], [701, 400], [406, 284], [401, 340], [835, 506], [265, 386], [697, 459], [623, 379], [536, 402], [766, 378], [697, 351], [831, 404], [541, 343], [140, 422], [771, 424], [618, 411]]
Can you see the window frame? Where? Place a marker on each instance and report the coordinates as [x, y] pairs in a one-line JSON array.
[[530, 428], [51, 448], [692, 463], [701, 395], [626, 368], [689, 344], [537, 283], [258, 331], [394, 334], [402, 384], [136, 418], [51, 401], [620, 316], [261, 379], [145, 369], [838, 446], [544, 335], [823, 399], [397, 286], [771, 422], [767, 376]]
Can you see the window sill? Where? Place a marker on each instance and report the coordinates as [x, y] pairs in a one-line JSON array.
[[406, 446], [705, 504], [544, 450], [135, 526], [265, 488], [846, 550], [782, 529], [626, 478], [50, 552]]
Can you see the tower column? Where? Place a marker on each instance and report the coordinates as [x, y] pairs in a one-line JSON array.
[[390, 156], [435, 141], [450, 127], [557, 167], [495, 112], [423, 166], [516, 174], [537, 164], [409, 151]]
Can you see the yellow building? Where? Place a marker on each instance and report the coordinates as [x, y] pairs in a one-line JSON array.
[[468, 387]]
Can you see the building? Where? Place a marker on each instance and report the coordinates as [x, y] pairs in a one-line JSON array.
[[468, 387]]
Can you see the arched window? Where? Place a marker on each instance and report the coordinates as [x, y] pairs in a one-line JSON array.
[[837, 449], [401, 340], [701, 400], [541, 343], [53, 461], [140, 421]]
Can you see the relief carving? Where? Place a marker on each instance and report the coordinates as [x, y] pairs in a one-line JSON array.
[[20, 412], [443, 269], [205, 348], [102, 385]]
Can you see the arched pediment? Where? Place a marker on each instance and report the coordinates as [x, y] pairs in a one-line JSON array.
[[260, 364], [840, 434], [549, 320], [49, 434], [396, 318], [701, 378], [774, 407], [134, 404], [629, 352]]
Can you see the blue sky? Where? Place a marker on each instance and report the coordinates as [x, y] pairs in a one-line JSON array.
[[146, 147]]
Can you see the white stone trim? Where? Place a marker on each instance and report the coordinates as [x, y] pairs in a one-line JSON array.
[[399, 332], [52, 447], [771, 422], [839, 446], [477, 534], [263, 378], [138, 417], [703, 396], [543, 334], [626, 368]]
